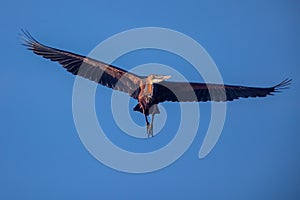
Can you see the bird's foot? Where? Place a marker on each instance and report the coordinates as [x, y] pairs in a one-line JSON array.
[[150, 130]]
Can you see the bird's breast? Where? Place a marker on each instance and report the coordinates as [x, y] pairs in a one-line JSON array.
[[146, 93], [147, 89]]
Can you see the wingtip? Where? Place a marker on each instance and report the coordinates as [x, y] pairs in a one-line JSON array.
[[283, 85], [26, 38]]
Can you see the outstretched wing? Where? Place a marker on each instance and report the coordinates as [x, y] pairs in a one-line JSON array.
[[180, 91], [100, 72]]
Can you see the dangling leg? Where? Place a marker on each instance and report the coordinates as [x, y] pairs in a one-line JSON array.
[[151, 125], [153, 110], [148, 125]]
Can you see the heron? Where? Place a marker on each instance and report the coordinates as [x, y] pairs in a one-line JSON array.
[[150, 90]]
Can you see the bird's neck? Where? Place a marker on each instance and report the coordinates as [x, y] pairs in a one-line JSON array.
[[147, 87]]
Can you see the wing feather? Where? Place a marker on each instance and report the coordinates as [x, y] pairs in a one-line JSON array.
[[97, 71], [181, 91]]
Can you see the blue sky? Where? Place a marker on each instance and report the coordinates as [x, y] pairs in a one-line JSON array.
[[252, 42]]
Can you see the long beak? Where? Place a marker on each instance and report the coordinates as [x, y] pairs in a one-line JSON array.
[[159, 78], [165, 77]]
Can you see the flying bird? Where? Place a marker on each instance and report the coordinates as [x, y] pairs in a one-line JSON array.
[[148, 91]]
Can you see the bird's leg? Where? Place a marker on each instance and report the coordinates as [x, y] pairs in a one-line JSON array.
[[151, 126], [148, 125]]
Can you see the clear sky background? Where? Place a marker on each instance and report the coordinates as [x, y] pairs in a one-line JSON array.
[[253, 43]]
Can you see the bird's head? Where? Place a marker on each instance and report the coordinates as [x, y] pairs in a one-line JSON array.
[[153, 78]]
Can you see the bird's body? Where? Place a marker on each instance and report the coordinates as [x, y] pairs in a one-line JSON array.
[[148, 91], [146, 97]]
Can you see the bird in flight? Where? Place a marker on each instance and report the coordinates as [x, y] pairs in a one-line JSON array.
[[148, 91]]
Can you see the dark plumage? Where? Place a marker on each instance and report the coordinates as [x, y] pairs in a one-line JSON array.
[[151, 90]]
